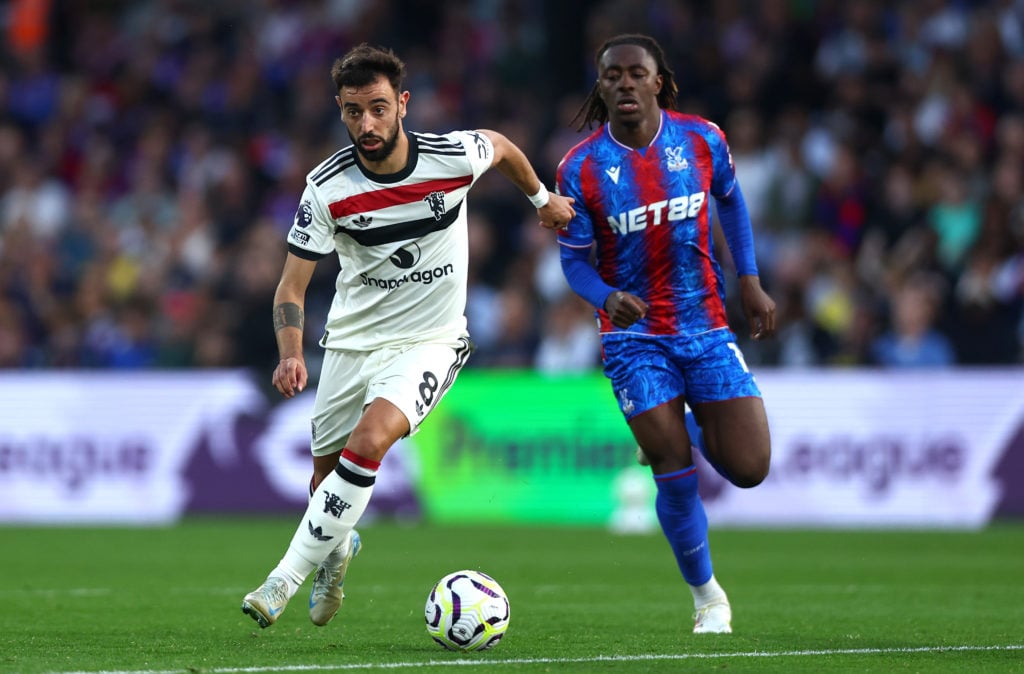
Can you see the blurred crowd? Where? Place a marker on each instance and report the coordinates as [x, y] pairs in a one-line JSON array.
[[152, 154]]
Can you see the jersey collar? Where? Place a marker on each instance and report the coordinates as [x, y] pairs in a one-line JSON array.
[[661, 125]]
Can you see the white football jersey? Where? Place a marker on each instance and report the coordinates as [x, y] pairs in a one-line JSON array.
[[401, 240]]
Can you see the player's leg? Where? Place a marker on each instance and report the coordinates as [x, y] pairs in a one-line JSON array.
[[727, 403], [736, 438], [662, 433], [327, 588], [413, 380], [398, 387], [341, 396], [696, 440], [650, 392], [404, 389], [328, 525], [351, 482], [322, 467]]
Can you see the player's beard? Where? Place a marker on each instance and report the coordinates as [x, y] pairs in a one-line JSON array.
[[386, 148]]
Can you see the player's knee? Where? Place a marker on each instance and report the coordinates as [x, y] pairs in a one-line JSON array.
[[750, 472], [748, 479]]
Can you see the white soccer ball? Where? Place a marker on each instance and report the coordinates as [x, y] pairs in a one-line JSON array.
[[467, 611]]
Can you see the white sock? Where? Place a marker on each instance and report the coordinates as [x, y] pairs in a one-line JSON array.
[[337, 548], [335, 507], [708, 593]]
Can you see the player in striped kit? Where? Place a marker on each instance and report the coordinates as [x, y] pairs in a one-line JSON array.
[[642, 184], [392, 207]]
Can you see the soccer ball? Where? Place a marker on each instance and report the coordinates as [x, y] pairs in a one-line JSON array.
[[467, 611]]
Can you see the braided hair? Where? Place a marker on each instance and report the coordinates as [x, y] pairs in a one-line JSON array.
[[594, 109]]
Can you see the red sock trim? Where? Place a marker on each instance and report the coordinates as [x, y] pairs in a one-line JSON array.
[[678, 475], [360, 461]]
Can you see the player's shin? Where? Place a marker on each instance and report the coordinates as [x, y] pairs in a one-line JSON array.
[[684, 523], [334, 509]]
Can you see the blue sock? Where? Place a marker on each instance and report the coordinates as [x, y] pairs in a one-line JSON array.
[[697, 440], [684, 522]]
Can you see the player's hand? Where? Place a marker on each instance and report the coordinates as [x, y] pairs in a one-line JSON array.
[[290, 376], [557, 213], [758, 307], [624, 309]]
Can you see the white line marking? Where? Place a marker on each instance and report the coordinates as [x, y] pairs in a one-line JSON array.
[[541, 661]]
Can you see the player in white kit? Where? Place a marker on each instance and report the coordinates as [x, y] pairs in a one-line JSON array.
[[393, 207]]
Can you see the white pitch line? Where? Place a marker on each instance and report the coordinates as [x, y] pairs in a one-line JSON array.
[[542, 661]]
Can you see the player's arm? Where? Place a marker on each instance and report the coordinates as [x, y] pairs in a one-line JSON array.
[[623, 309], [554, 211], [758, 307], [290, 375], [576, 242]]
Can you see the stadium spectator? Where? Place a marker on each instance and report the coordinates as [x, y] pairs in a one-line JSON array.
[[100, 102], [912, 340]]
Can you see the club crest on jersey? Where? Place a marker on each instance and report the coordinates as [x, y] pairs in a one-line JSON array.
[[625, 404], [675, 160], [304, 215], [436, 202]]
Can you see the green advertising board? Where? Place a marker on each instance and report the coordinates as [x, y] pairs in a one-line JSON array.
[[519, 446]]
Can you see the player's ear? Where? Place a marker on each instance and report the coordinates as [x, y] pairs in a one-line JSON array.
[[403, 101]]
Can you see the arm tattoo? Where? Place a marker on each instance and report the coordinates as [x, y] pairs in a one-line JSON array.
[[288, 314]]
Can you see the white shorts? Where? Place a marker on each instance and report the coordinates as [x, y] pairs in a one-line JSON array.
[[413, 378]]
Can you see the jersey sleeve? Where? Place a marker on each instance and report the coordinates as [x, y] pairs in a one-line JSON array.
[[723, 177], [311, 236], [479, 150], [579, 233]]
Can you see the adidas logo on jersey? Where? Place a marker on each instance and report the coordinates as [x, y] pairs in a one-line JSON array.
[[362, 221]]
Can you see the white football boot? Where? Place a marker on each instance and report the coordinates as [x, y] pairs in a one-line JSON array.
[[327, 593], [266, 603], [715, 618]]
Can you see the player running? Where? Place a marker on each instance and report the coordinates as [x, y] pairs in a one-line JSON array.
[[642, 185], [392, 206]]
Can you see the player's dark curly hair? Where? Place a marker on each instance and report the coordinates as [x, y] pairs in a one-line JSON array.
[[594, 109], [363, 64]]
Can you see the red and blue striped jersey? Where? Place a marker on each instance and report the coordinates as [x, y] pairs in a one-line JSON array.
[[647, 212]]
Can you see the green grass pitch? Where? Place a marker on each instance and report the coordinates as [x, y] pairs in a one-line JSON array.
[[583, 600]]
